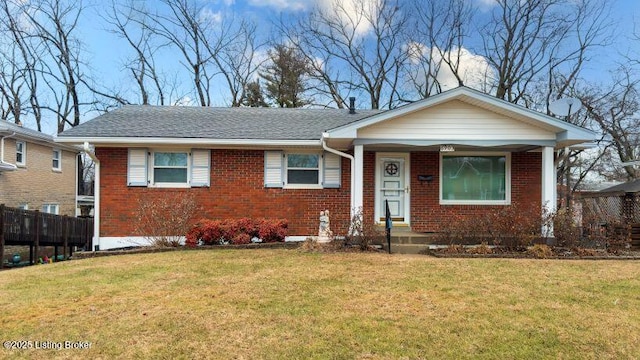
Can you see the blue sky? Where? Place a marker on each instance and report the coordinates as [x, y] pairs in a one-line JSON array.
[[105, 54]]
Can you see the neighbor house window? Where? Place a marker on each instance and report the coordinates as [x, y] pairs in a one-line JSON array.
[[57, 157], [21, 153], [23, 206], [51, 209], [170, 167], [475, 179], [303, 169]]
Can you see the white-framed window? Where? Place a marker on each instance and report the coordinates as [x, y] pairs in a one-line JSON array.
[[51, 209], [302, 169], [475, 178], [23, 206], [57, 160], [21, 153], [168, 168]]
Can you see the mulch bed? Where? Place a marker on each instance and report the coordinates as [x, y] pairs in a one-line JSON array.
[[149, 249], [530, 253]]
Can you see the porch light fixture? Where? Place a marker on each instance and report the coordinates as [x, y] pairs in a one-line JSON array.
[[447, 148]]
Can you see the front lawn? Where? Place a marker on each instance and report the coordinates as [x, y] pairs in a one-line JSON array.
[[280, 304]]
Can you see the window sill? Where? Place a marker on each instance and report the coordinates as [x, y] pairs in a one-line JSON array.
[[57, 170], [170, 186], [475, 202], [303, 186]]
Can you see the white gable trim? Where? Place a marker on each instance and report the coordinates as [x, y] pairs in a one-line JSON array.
[[565, 130]]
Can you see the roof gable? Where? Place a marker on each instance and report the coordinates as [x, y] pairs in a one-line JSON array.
[[507, 112], [456, 120]]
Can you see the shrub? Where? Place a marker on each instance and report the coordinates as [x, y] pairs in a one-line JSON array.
[[363, 232], [163, 220], [482, 249], [236, 231], [540, 251], [565, 229], [513, 226], [241, 238], [272, 230]]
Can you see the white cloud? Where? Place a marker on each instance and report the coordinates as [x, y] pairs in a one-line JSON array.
[[184, 101], [290, 5], [351, 11], [474, 69], [486, 5], [208, 15]]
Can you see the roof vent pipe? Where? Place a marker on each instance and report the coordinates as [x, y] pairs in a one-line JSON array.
[[352, 105]]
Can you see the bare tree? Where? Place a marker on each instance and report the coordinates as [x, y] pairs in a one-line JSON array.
[[54, 23], [237, 61], [181, 26], [19, 66], [437, 43], [126, 22], [527, 38], [616, 112], [353, 47]]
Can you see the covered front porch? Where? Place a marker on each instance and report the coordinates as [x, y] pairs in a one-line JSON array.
[[458, 153], [426, 187]]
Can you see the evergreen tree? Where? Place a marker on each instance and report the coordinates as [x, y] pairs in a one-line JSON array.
[[253, 95], [285, 77]]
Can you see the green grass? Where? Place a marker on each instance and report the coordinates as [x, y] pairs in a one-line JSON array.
[[277, 304]]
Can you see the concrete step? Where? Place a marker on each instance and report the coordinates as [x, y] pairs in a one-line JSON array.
[[406, 248]]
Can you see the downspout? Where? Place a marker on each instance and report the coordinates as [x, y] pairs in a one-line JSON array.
[[325, 135], [12, 166], [96, 197]]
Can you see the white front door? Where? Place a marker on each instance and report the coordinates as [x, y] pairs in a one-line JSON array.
[[392, 186]]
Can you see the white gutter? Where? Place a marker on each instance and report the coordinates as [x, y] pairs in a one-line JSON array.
[[352, 207], [96, 196], [5, 165], [185, 141]]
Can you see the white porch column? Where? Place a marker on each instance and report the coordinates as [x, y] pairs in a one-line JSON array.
[[549, 191], [358, 192]]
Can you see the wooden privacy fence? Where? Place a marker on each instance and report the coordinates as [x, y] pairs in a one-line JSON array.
[[36, 229], [619, 208]]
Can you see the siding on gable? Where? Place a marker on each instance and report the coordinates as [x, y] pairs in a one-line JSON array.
[[455, 121]]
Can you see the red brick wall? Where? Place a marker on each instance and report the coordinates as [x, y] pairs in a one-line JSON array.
[[426, 212], [237, 190]]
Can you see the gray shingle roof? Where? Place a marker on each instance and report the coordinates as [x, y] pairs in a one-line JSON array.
[[630, 187], [144, 121], [9, 128]]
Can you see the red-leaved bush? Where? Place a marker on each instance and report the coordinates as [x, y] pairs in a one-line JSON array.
[[236, 231]]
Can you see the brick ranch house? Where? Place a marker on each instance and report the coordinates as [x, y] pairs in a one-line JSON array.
[[293, 163]]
